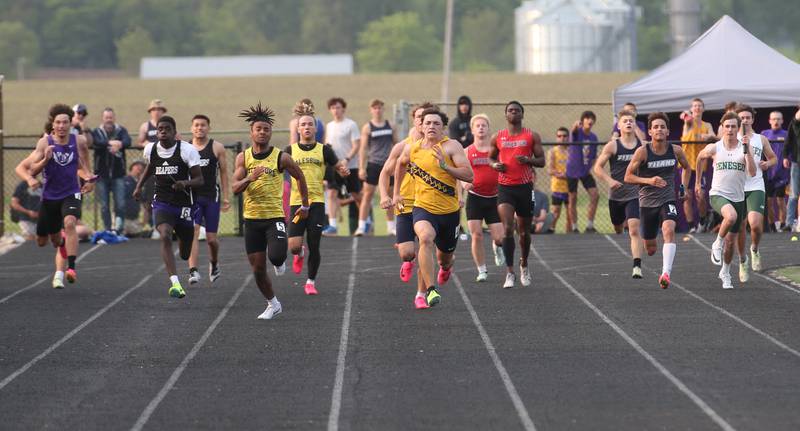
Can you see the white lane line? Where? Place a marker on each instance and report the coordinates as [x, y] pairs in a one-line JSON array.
[[46, 277], [338, 383], [735, 318], [77, 329], [653, 361], [153, 405], [522, 412], [708, 249]]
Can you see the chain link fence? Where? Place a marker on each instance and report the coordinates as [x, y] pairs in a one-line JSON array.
[[17, 147], [544, 118]]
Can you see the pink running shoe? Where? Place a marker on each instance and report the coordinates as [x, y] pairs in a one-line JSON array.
[[297, 262], [406, 271], [664, 280], [62, 249], [444, 276], [71, 275], [310, 289], [421, 303]]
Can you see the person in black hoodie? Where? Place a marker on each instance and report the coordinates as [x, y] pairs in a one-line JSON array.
[[459, 126], [110, 140]]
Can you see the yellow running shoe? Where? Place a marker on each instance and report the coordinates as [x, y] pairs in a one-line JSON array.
[[176, 291], [433, 296]]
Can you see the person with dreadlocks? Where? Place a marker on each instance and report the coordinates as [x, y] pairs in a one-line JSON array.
[[64, 159], [176, 167], [258, 174], [311, 157]]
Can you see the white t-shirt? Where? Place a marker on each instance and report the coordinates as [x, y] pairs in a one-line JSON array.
[[730, 172], [340, 135], [189, 154], [756, 182]]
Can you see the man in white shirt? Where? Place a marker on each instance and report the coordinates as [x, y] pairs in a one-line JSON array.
[[344, 135]]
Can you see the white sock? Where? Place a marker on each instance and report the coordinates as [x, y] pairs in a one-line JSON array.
[[668, 251], [274, 301], [482, 268], [302, 252], [60, 275], [719, 240], [390, 225], [310, 281], [420, 294], [332, 222], [726, 268], [777, 225], [174, 279], [362, 224], [590, 224]]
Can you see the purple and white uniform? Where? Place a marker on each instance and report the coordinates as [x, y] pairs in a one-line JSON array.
[[61, 192], [170, 165]]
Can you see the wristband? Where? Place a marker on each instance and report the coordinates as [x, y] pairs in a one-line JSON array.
[[304, 208]]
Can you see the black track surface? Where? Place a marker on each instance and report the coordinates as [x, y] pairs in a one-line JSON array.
[[79, 360]]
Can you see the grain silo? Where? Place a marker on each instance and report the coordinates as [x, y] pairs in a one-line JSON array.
[[555, 36]]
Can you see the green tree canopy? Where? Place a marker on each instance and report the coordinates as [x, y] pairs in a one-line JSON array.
[[17, 42], [398, 42]]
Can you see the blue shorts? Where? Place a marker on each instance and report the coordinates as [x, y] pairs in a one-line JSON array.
[[445, 225], [172, 215], [206, 213], [405, 228]]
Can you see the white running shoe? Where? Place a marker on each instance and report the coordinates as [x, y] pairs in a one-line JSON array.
[[280, 270], [524, 276], [499, 256], [716, 253], [637, 272], [360, 232], [201, 236], [58, 283], [755, 260], [194, 277], [155, 234], [510, 279], [744, 270], [482, 276], [271, 311], [726, 279]]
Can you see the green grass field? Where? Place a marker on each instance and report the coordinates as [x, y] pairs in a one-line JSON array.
[[790, 272]]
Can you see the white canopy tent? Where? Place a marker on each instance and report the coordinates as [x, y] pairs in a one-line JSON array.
[[725, 63]]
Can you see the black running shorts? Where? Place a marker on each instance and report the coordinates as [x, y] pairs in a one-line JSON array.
[[519, 196], [445, 225], [316, 220], [52, 213], [482, 208], [653, 217], [623, 210]]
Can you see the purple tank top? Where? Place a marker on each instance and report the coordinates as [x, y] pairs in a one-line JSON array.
[[61, 172]]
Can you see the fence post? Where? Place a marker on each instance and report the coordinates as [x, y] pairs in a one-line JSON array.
[[240, 197], [2, 170], [401, 113]]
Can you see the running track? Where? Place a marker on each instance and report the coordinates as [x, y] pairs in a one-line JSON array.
[[584, 348]]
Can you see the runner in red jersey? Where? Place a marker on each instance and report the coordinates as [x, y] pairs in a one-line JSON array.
[[482, 197], [517, 150]]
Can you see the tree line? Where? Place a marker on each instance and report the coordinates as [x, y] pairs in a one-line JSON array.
[[383, 35]]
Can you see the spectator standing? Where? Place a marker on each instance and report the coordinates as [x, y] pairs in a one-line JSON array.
[[109, 141], [133, 226], [344, 135], [695, 133], [582, 154], [78, 125], [638, 128], [25, 203], [790, 157], [459, 128], [778, 175], [377, 139], [557, 168]]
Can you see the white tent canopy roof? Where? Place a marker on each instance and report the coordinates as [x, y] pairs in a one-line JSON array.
[[726, 63]]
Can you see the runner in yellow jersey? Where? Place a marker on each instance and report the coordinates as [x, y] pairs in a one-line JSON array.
[[437, 163], [311, 157], [404, 237], [696, 133], [258, 174]]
